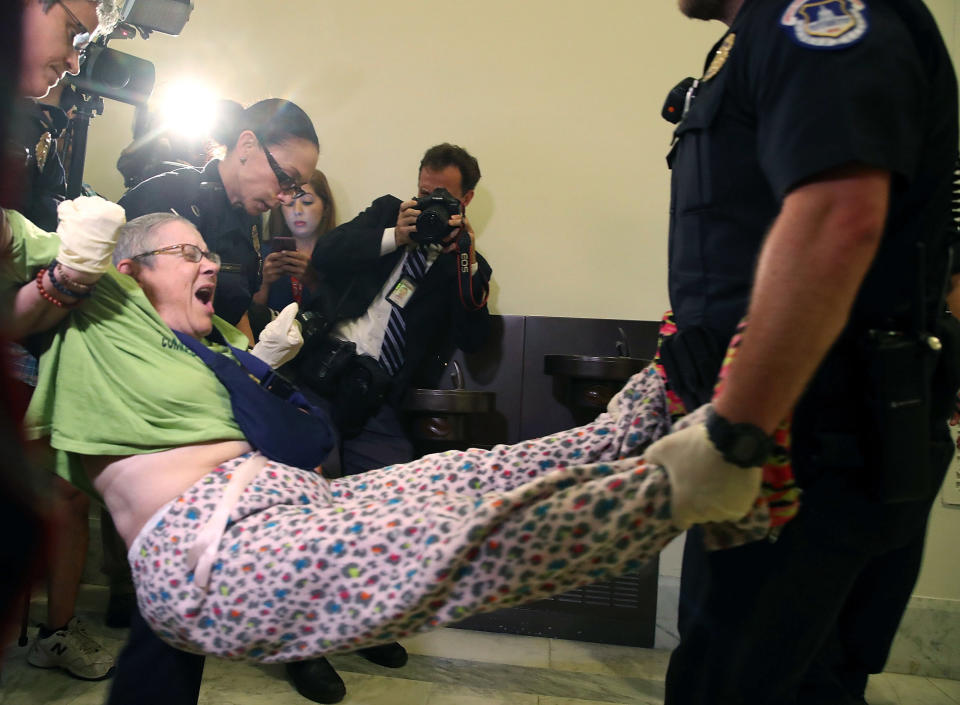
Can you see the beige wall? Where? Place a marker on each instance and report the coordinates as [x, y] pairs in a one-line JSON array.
[[559, 100]]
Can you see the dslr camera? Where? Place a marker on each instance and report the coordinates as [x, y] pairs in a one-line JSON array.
[[435, 210]]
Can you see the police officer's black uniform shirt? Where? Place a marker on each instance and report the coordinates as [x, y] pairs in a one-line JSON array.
[[792, 90], [199, 196], [36, 126]]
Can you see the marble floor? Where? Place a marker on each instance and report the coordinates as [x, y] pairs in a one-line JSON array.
[[447, 667]]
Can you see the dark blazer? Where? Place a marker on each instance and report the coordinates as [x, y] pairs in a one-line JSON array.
[[198, 195], [352, 273]]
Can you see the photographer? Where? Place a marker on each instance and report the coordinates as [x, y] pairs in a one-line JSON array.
[[391, 286], [388, 290]]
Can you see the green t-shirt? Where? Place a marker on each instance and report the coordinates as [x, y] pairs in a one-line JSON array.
[[30, 249], [114, 379]]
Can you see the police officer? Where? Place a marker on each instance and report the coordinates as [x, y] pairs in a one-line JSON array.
[[272, 149], [37, 127], [811, 192], [54, 37]]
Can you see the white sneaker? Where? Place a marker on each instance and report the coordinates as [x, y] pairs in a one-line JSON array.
[[74, 651]]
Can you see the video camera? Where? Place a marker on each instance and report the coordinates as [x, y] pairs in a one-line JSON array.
[[112, 74]]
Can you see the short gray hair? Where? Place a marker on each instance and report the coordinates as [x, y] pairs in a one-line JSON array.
[[138, 235]]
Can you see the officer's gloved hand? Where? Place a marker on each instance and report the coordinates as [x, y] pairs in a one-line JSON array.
[[280, 340], [88, 230], [704, 487]]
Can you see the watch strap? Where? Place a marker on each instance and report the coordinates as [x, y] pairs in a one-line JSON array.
[[741, 444]]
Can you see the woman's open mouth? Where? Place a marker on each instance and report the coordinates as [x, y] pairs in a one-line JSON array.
[[205, 296]]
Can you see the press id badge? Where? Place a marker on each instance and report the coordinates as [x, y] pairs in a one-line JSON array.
[[400, 295]]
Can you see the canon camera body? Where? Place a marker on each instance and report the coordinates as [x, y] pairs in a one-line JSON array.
[[436, 209]]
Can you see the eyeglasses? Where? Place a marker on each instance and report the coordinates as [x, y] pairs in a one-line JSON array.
[[81, 39], [288, 185], [191, 253]]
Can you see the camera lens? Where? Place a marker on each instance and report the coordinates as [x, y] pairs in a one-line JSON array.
[[432, 225]]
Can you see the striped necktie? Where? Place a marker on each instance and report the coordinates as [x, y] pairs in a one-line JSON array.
[[394, 338]]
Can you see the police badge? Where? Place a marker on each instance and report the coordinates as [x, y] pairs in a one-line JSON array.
[[826, 24], [720, 57], [42, 150]]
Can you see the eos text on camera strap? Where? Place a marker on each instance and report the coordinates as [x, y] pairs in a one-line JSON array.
[[464, 278]]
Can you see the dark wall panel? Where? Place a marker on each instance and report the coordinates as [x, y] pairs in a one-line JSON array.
[[530, 403], [547, 406]]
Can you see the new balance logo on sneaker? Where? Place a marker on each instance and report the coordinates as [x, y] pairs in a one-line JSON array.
[[74, 651]]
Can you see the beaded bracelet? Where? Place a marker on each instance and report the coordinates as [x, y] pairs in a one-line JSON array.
[[64, 290], [67, 281], [43, 292]]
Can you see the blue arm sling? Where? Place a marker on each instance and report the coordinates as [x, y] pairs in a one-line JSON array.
[[273, 414]]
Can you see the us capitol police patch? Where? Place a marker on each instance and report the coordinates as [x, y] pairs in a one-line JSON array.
[[826, 24]]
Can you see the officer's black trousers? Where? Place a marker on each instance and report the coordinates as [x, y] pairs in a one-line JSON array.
[[151, 672], [381, 442], [805, 619]]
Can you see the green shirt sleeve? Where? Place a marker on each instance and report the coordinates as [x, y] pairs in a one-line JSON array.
[[30, 250]]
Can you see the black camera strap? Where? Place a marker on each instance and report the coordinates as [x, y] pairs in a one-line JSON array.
[[464, 277]]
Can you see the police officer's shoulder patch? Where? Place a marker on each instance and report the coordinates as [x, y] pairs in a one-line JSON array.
[[826, 24]]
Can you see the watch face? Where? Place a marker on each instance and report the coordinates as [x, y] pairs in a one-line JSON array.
[[741, 444], [744, 447]]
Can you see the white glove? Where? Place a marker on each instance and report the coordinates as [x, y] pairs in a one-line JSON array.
[[280, 339], [88, 232], [704, 487]]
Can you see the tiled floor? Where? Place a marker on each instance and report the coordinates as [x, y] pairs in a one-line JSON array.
[[447, 667]]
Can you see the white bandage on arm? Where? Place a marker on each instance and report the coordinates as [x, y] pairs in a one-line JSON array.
[[88, 233]]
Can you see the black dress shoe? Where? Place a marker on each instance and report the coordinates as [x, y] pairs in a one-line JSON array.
[[391, 655], [316, 680]]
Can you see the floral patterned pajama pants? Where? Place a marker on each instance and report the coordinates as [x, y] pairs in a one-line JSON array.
[[308, 566]]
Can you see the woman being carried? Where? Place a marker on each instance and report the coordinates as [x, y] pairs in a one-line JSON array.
[[241, 556]]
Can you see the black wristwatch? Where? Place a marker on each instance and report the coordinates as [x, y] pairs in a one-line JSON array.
[[740, 444]]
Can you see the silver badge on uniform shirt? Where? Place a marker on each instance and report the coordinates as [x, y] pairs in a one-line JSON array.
[[826, 24]]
